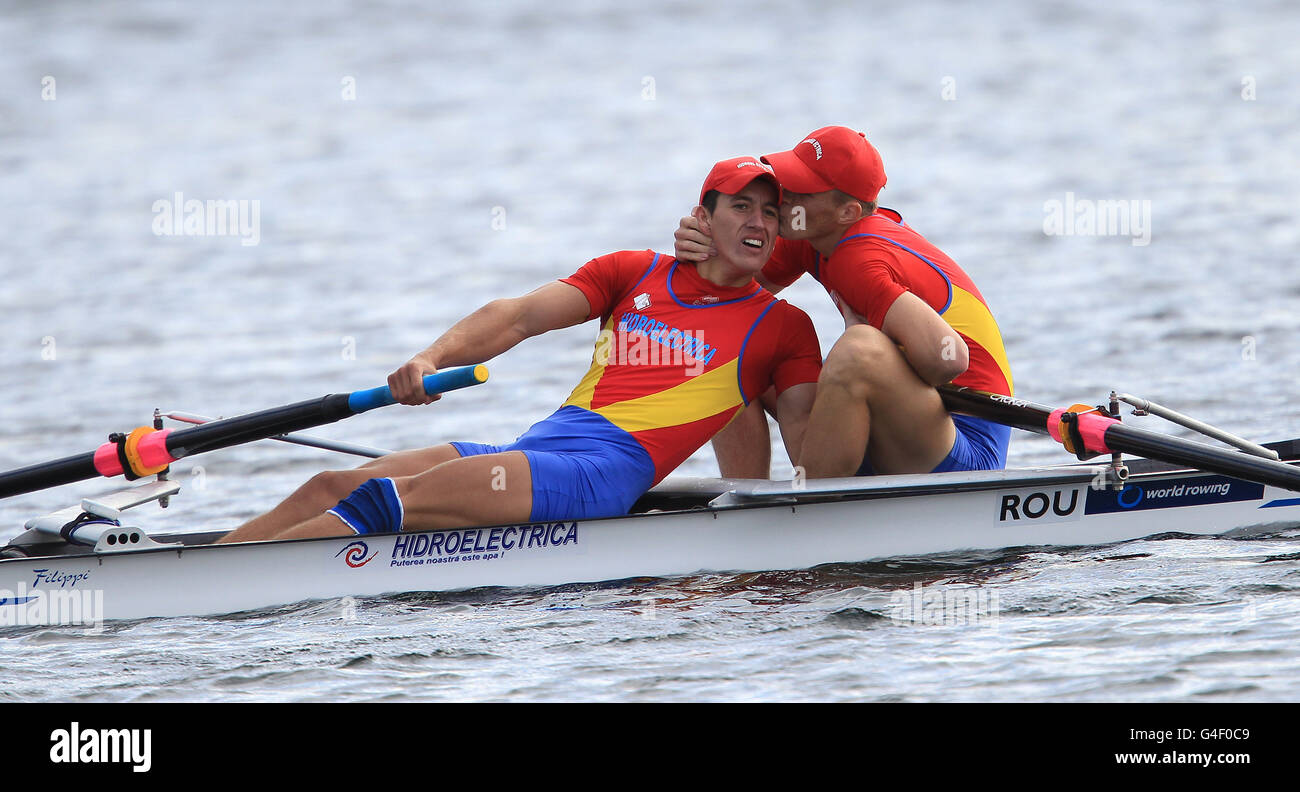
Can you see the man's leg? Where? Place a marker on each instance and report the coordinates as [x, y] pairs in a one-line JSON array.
[[869, 397], [476, 490], [325, 489]]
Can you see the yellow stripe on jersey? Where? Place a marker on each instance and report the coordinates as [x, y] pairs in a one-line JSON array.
[[582, 395], [971, 317], [695, 399]]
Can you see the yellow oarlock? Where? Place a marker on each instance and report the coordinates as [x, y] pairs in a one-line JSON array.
[[131, 449]]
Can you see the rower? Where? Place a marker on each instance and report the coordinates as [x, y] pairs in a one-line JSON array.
[[913, 319], [682, 348]]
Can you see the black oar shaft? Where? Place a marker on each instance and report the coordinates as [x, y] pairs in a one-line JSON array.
[[1006, 410], [240, 429], [186, 442], [48, 474], [1031, 417], [1203, 457], [258, 426]]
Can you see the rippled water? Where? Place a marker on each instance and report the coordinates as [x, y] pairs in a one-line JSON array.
[[492, 147]]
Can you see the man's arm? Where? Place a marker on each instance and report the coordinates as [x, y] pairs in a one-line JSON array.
[[489, 331], [744, 447], [793, 407], [936, 352]]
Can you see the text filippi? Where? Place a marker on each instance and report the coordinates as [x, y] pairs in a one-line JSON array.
[[58, 577]]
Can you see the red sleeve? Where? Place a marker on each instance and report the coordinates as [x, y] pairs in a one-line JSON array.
[[789, 261], [606, 279], [870, 289], [787, 343], [782, 352], [799, 355]]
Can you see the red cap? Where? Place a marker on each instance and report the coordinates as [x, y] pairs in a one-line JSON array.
[[831, 158], [733, 175]]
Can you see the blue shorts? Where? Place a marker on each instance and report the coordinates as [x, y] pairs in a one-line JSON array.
[[979, 445], [583, 466]]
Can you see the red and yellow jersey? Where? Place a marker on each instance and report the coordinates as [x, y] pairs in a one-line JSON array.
[[678, 356], [877, 260]]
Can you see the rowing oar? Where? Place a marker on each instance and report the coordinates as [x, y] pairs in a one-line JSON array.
[[146, 451], [295, 439], [1088, 432]]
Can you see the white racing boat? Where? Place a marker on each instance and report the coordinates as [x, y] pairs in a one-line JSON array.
[[82, 565]]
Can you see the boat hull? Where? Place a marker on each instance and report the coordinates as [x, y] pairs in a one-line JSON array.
[[764, 526]]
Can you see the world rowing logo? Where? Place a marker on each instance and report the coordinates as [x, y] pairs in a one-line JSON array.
[[355, 554], [1193, 491], [1130, 496]]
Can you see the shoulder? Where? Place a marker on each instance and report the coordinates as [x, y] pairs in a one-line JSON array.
[[624, 264], [787, 311], [606, 279], [785, 347], [886, 231], [880, 247], [870, 231], [789, 323], [632, 258]]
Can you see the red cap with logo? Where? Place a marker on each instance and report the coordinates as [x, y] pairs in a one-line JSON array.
[[733, 175], [831, 158]]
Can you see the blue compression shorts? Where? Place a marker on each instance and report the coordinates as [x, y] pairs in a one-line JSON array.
[[582, 466], [979, 445]]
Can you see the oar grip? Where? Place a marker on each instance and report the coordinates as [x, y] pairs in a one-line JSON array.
[[441, 382]]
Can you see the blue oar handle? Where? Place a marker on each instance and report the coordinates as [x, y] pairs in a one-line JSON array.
[[443, 381]]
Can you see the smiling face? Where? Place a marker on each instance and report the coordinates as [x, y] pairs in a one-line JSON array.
[[744, 229]]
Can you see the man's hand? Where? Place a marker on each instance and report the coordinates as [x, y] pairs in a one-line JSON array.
[[407, 383], [690, 243], [851, 317]]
